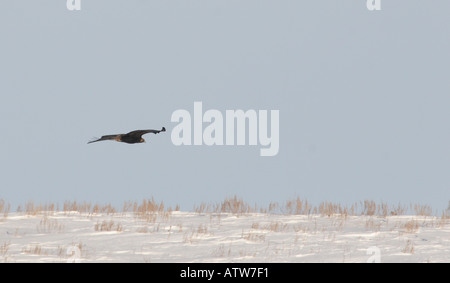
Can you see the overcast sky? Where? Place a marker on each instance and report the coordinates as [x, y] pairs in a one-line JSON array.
[[363, 99]]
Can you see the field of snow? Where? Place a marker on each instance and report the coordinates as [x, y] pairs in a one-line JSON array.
[[161, 235]]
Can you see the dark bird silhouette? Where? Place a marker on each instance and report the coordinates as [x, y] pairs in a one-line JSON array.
[[131, 137]]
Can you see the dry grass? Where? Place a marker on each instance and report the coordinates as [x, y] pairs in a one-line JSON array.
[[276, 226], [221, 251], [411, 226], [409, 247], [238, 207], [32, 209], [444, 219], [423, 210], [108, 226], [48, 225], [70, 253], [151, 210], [196, 233], [4, 248], [146, 209], [33, 249], [297, 207], [68, 207], [234, 205], [321, 222], [254, 237], [373, 225], [4, 209]]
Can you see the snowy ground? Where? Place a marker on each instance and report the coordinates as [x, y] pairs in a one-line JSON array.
[[221, 237]]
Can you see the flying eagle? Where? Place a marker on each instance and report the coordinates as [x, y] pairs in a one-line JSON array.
[[131, 137]]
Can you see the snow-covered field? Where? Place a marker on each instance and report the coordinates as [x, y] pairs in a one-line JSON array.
[[176, 236]]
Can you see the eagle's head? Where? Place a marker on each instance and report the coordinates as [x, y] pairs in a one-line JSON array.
[[142, 140]]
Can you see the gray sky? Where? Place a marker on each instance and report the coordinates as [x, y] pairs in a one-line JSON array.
[[363, 99]]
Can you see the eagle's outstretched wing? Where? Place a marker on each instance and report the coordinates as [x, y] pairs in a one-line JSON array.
[[139, 133], [131, 137], [108, 137]]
